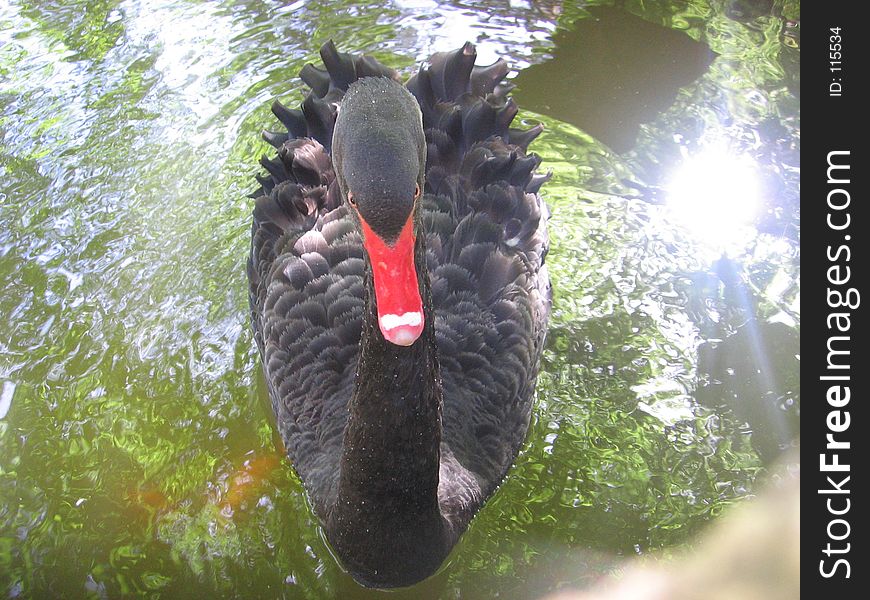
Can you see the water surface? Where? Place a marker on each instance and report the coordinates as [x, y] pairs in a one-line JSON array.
[[136, 454]]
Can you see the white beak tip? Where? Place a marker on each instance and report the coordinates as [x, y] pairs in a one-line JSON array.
[[401, 330]]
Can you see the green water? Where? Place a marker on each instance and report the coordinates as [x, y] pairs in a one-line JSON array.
[[134, 443]]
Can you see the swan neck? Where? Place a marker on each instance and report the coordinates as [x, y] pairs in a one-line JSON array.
[[388, 484]]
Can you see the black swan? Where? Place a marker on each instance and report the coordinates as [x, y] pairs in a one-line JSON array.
[[399, 301]]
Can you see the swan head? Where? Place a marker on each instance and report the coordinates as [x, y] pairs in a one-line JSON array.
[[379, 154]]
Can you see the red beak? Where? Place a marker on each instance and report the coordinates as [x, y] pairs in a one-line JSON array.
[[400, 310]]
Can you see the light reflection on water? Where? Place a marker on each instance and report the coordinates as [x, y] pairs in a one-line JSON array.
[[135, 453], [715, 195]]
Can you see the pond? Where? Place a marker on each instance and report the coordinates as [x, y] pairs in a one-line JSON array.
[[137, 456]]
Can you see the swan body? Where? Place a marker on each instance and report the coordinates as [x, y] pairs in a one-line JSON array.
[[399, 301]]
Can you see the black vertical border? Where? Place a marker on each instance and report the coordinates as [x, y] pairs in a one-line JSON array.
[[833, 123]]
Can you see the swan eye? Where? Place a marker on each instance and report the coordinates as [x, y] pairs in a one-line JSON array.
[[416, 191], [350, 199]]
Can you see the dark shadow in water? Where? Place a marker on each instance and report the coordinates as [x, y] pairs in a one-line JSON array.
[[753, 371], [612, 72], [747, 10]]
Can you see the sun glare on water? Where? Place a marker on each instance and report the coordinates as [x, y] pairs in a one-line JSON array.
[[716, 195]]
